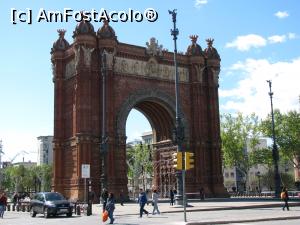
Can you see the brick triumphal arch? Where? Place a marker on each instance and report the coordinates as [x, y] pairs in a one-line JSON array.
[[135, 77]]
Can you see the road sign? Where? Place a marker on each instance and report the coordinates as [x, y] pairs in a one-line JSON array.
[[85, 170]]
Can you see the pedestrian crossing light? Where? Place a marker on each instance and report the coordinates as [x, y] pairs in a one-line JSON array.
[[189, 160], [177, 159]]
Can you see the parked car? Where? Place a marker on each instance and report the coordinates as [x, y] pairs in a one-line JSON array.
[[50, 203]]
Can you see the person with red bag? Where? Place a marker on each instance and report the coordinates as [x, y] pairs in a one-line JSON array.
[[104, 215], [110, 207]]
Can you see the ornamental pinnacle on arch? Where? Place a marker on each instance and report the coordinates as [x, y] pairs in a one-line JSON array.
[[194, 49], [61, 33], [106, 31], [210, 52], [61, 43], [83, 27]]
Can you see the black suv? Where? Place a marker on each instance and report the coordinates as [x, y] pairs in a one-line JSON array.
[[50, 203]]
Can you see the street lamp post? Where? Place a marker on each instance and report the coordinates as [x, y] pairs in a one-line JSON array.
[[258, 177], [274, 149], [104, 138], [179, 129]]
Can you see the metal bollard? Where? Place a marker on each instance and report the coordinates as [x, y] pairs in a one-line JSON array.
[[8, 207], [23, 208], [78, 212], [13, 208], [89, 209], [28, 208]]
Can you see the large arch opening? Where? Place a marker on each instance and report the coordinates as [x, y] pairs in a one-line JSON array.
[[158, 107], [149, 162]]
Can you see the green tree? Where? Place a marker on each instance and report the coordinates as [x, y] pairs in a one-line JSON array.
[[28, 180], [43, 174], [20, 179], [139, 164], [7, 181], [262, 156], [287, 131], [238, 133], [14, 178], [287, 180]]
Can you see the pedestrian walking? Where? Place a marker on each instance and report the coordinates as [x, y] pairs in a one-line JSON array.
[[3, 203], [142, 201], [121, 198], [155, 196], [285, 197], [201, 191], [110, 207], [171, 197], [104, 196], [15, 198]]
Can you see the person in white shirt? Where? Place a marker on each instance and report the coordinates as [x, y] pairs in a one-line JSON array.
[[154, 202]]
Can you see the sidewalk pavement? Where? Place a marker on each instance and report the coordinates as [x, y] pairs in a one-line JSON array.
[[206, 205], [214, 205]]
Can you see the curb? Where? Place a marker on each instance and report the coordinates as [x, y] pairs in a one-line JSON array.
[[191, 209], [235, 207]]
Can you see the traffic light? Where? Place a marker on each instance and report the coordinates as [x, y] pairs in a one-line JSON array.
[[189, 160], [177, 159]]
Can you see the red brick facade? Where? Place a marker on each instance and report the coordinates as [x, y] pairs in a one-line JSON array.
[[141, 78]]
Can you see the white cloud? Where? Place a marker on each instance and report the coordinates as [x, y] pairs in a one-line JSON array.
[[244, 43], [251, 93], [277, 39], [199, 3], [281, 14]]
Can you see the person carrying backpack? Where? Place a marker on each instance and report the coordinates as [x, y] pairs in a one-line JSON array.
[[285, 197]]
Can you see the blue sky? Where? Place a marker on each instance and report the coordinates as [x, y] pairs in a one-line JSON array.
[[256, 39]]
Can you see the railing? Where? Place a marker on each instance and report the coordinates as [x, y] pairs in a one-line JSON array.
[[24, 206], [247, 194], [82, 207], [263, 194]]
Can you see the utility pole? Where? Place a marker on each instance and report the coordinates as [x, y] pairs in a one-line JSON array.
[[299, 103], [179, 129], [1, 152], [104, 138], [1, 166], [274, 149]]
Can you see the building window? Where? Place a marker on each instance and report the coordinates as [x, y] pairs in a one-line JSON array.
[[232, 174]]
